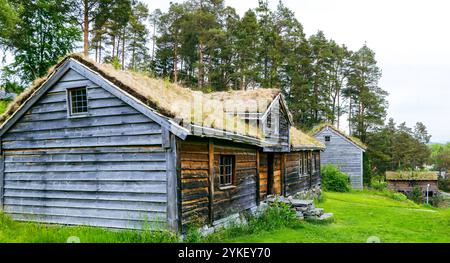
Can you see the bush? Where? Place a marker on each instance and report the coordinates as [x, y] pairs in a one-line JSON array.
[[444, 184], [378, 185], [416, 195], [334, 180], [399, 197]]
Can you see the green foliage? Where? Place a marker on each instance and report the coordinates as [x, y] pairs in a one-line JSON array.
[[275, 217], [3, 105], [43, 34], [25, 232], [378, 184], [399, 197], [397, 147], [334, 180], [116, 63], [416, 195], [440, 156], [444, 184]]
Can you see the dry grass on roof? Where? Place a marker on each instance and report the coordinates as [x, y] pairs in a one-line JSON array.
[[172, 100], [412, 176], [300, 139]]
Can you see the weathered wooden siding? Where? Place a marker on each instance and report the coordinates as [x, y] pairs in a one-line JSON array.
[[276, 183], [263, 175], [194, 181], [107, 169], [344, 154], [278, 131], [242, 195], [407, 187], [296, 180], [195, 192]]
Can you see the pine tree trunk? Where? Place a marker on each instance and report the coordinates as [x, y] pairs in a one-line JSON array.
[[200, 67], [175, 63], [86, 28], [123, 49]]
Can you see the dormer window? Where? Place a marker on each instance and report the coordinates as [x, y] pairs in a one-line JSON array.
[[77, 101], [269, 120], [327, 138]]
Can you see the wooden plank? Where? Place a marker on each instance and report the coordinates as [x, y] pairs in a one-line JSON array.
[[258, 193], [2, 177], [211, 180], [94, 196], [92, 213], [159, 207], [96, 222], [116, 187], [172, 188]]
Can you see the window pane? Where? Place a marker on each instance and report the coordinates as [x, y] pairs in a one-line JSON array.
[[78, 99]]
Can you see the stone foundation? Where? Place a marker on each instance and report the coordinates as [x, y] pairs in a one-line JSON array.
[[309, 194]]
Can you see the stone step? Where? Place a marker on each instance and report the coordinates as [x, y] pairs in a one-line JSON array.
[[326, 216], [301, 203]]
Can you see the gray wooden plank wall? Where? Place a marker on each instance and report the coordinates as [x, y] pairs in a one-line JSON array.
[[107, 169], [279, 130], [343, 154]]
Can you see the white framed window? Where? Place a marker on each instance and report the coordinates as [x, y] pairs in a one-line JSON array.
[[227, 164], [77, 101]]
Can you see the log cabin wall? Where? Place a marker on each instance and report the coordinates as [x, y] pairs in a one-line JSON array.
[[202, 202], [106, 169], [263, 175], [302, 171], [242, 194], [194, 172]]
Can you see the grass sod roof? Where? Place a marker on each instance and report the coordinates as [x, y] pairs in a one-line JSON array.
[[353, 139], [172, 100], [411, 176], [301, 140]]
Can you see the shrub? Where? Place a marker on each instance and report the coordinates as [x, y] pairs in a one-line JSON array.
[[334, 180], [416, 195], [444, 184], [379, 185], [399, 197]]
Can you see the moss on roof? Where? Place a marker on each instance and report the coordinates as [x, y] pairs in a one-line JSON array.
[[172, 100], [353, 139], [412, 176], [301, 140]]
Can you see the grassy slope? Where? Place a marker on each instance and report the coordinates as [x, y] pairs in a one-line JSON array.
[[359, 215]]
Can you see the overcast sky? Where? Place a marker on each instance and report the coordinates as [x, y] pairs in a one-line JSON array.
[[412, 44]]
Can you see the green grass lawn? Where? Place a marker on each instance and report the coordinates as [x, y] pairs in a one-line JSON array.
[[360, 215], [357, 216]]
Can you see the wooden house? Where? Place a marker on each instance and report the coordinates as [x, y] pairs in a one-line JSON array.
[[91, 145], [342, 150], [406, 181]]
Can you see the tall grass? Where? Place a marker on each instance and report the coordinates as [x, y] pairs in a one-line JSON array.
[[277, 216], [26, 232]]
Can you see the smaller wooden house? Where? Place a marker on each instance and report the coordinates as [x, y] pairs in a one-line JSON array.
[[406, 181], [342, 150]]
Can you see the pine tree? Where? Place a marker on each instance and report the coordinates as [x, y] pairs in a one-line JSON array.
[[367, 103]]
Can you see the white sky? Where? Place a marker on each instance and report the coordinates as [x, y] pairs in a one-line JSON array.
[[412, 44]]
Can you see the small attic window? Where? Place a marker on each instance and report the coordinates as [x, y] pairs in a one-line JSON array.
[[327, 138], [77, 100]]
